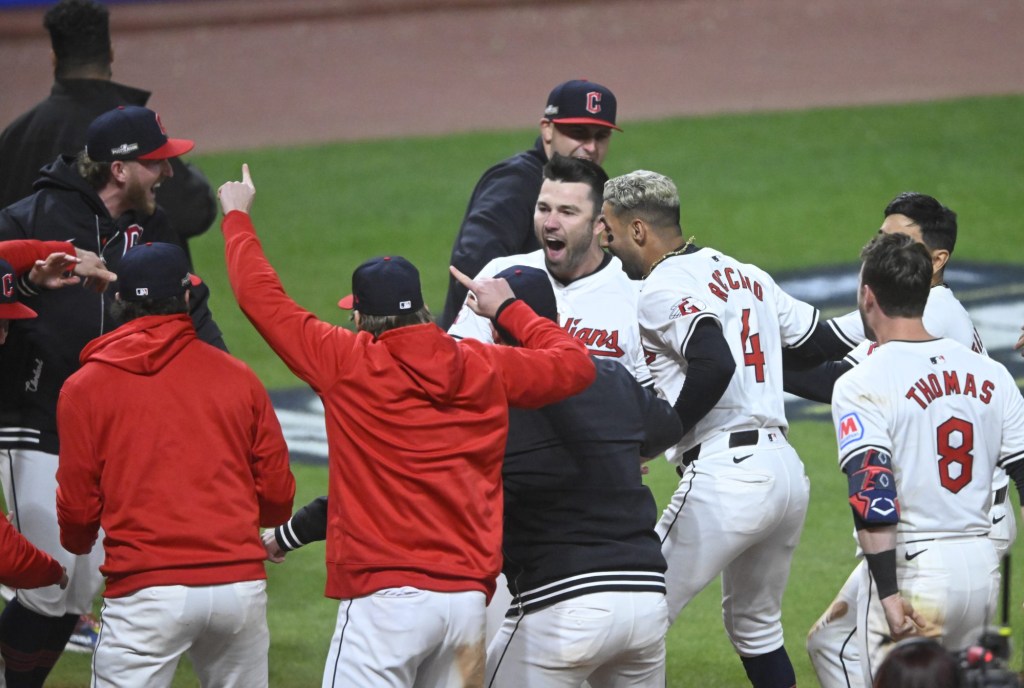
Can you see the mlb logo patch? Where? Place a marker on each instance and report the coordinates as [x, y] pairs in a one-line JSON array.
[[850, 430], [936, 360], [404, 305]]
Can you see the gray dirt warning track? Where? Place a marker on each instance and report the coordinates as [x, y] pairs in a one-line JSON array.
[[234, 74]]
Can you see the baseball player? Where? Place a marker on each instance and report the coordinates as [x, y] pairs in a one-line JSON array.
[[579, 531], [716, 328], [596, 300], [103, 201], [180, 509], [831, 641], [577, 122], [922, 424], [416, 423]]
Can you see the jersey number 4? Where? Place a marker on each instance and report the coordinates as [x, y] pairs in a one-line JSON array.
[[955, 461], [755, 357]]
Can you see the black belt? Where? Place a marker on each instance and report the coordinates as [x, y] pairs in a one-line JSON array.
[[741, 438], [1000, 495]]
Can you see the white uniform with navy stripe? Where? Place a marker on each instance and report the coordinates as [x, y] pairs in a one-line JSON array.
[[831, 642], [599, 309], [948, 417], [740, 505]]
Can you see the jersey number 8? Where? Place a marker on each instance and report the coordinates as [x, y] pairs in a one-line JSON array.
[[958, 455]]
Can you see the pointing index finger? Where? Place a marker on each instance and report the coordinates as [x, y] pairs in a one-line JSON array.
[[246, 177], [462, 278]]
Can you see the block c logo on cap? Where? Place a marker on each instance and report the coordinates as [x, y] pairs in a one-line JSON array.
[[8, 284], [594, 102]]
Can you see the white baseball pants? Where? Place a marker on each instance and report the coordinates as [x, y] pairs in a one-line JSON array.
[[609, 639], [408, 638], [223, 628], [30, 490], [953, 582], [738, 512]]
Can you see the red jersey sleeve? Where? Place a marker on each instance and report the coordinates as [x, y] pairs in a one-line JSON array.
[[306, 344], [79, 501], [22, 565]]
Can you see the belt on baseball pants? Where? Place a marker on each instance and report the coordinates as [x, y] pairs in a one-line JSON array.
[[1000, 495], [740, 438]]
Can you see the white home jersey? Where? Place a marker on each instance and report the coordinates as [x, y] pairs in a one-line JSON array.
[[599, 309], [946, 415], [944, 316], [757, 319]]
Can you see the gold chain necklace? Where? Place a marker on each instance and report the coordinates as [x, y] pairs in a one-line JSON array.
[[670, 254]]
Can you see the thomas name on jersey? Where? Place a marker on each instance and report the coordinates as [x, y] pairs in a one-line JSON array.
[[729, 280], [929, 388]]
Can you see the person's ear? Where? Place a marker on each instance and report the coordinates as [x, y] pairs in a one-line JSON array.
[[940, 257]]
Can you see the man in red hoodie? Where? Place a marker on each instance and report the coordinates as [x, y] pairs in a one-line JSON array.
[[181, 510], [416, 427], [22, 564]]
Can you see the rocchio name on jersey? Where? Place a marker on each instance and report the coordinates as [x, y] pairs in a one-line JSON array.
[[731, 279], [929, 388]]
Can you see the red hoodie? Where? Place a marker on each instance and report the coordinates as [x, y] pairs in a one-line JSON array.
[[416, 426], [173, 448], [22, 254], [22, 565]]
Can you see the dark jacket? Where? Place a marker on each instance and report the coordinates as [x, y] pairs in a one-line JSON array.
[[57, 126], [498, 221], [575, 504], [42, 352]]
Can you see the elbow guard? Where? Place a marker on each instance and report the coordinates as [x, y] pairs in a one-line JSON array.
[[872, 489]]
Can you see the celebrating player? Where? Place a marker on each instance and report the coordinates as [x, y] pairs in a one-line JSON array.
[[921, 425], [716, 328], [579, 531], [416, 424], [577, 122], [180, 510], [596, 300], [830, 643]]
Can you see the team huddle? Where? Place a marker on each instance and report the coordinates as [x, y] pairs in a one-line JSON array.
[[486, 520]]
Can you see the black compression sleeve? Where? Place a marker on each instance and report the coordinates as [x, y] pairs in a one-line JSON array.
[[883, 569], [823, 345], [309, 524], [815, 384], [709, 368]]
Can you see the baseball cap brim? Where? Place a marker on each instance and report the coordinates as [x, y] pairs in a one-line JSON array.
[[586, 120], [16, 311], [172, 149], [347, 303]]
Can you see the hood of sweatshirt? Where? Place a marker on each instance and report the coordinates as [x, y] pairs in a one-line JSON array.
[[143, 346], [429, 358], [62, 173]]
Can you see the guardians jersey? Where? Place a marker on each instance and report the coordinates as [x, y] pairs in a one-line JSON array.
[[946, 415]]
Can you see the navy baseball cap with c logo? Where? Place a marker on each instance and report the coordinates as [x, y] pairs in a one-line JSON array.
[[130, 132], [388, 285], [581, 102]]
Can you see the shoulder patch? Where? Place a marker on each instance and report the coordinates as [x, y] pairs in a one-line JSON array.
[[850, 430], [686, 306]]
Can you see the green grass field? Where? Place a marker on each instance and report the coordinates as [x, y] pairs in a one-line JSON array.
[[783, 190]]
